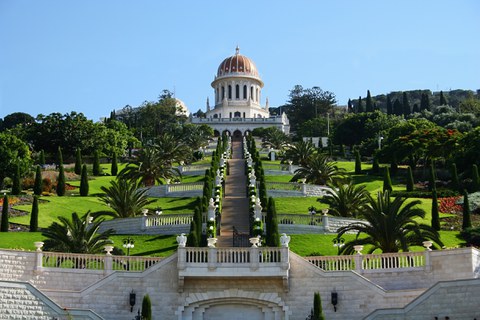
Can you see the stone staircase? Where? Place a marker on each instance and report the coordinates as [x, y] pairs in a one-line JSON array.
[[235, 203]]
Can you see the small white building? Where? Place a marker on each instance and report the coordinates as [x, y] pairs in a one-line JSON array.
[[238, 91]]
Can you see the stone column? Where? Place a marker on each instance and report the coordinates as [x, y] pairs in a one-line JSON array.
[[38, 257], [254, 258], [108, 266], [212, 258], [358, 258]]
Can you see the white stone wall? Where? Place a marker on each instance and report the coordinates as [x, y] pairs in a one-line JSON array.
[[358, 295]]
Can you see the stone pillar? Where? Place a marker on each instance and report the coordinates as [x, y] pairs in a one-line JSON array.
[[325, 223], [427, 252], [108, 266], [38, 257], [182, 258], [358, 258], [143, 223], [285, 258], [212, 258], [254, 258], [272, 155]]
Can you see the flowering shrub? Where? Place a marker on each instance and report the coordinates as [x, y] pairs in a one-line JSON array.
[[450, 205], [473, 199], [11, 201]]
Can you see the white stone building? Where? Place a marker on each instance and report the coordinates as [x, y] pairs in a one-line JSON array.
[[238, 92]]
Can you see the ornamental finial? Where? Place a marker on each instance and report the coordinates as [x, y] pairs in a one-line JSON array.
[[237, 49]]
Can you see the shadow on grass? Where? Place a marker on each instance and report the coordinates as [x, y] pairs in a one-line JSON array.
[[171, 249]]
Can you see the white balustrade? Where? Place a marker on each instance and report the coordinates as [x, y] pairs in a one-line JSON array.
[[168, 220], [182, 187]]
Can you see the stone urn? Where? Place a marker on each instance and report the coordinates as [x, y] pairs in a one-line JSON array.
[[38, 245], [254, 241], [108, 249], [427, 244], [358, 249], [211, 242]]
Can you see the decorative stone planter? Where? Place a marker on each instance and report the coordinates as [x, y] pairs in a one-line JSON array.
[[254, 241], [358, 249], [38, 245], [108, 250], [211, 242], [427, 245]]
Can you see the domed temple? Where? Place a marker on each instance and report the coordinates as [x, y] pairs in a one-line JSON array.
[[238, 92]]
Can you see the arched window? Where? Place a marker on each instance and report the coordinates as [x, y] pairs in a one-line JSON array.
[[244, 114], [230, 114], [237, 114], [256, 97], [229, 92], [215, 116], [216, 95], [237, 92], [245, 92], [223, 92], [251, 93]]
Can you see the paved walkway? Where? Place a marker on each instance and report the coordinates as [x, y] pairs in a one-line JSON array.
[[235, 203]]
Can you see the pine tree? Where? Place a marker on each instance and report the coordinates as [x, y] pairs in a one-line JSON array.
[[369, 102], [435, 215], [349, 106], [114, 169], [425, 102], [84, 182], [16, 189], [34, 215], [432, 178], [475, 179], [360, 105], [375, 165], [389, 105], [410, 182], [61, 182], [443, 100], [454, 175], [467, 221], [5, 225], [406, 105], [96, 164], [358, 163], [41, 160], [78, 161], [37, 187], [60, 157], [146, 308], [397, 108], [387, 181]]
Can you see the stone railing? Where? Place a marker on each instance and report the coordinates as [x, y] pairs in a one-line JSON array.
[[168, 220], [176, 190], [369, 263], [300, 219], [193, 170], [295, 189], [108, 263], [183, 187], [233, 262]]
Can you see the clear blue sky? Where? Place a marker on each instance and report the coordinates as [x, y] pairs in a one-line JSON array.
[[95, 56]]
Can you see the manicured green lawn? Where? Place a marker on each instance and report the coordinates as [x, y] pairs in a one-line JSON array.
[[297, 205], [145, 245]]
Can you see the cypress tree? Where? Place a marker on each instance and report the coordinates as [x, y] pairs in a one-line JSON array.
[[467, 221], [425, 102], [37, 187], [475, 179], [410, 179], [61, 182], [96, 164], [192, 239], [432, 178], [60, 157], [350, 106], [415, 108], [454, 174], [197, 217], [406, 105], [435, 215], [342, 151], [369, 102], [376, 165], [389, 105], [387, 181], [5, 224], [358, 163], [16, 189], [34, 215], [114, 169], [443, 100], [360, 105], [41, 160], [146, 308], [84, 182], [78, 161], [272, 238], [397, 108], [317, 307], [394, 166]]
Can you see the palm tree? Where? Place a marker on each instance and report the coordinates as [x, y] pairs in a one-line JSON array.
[[318, 170], [170, 149], [299, 152], [275, 138], [149, 167], [390, 226], [345, 200], [76, 235], [125, 198]]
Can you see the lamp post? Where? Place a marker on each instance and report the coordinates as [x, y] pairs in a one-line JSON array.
[[339, 243], [128, 244], [380, 138]]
